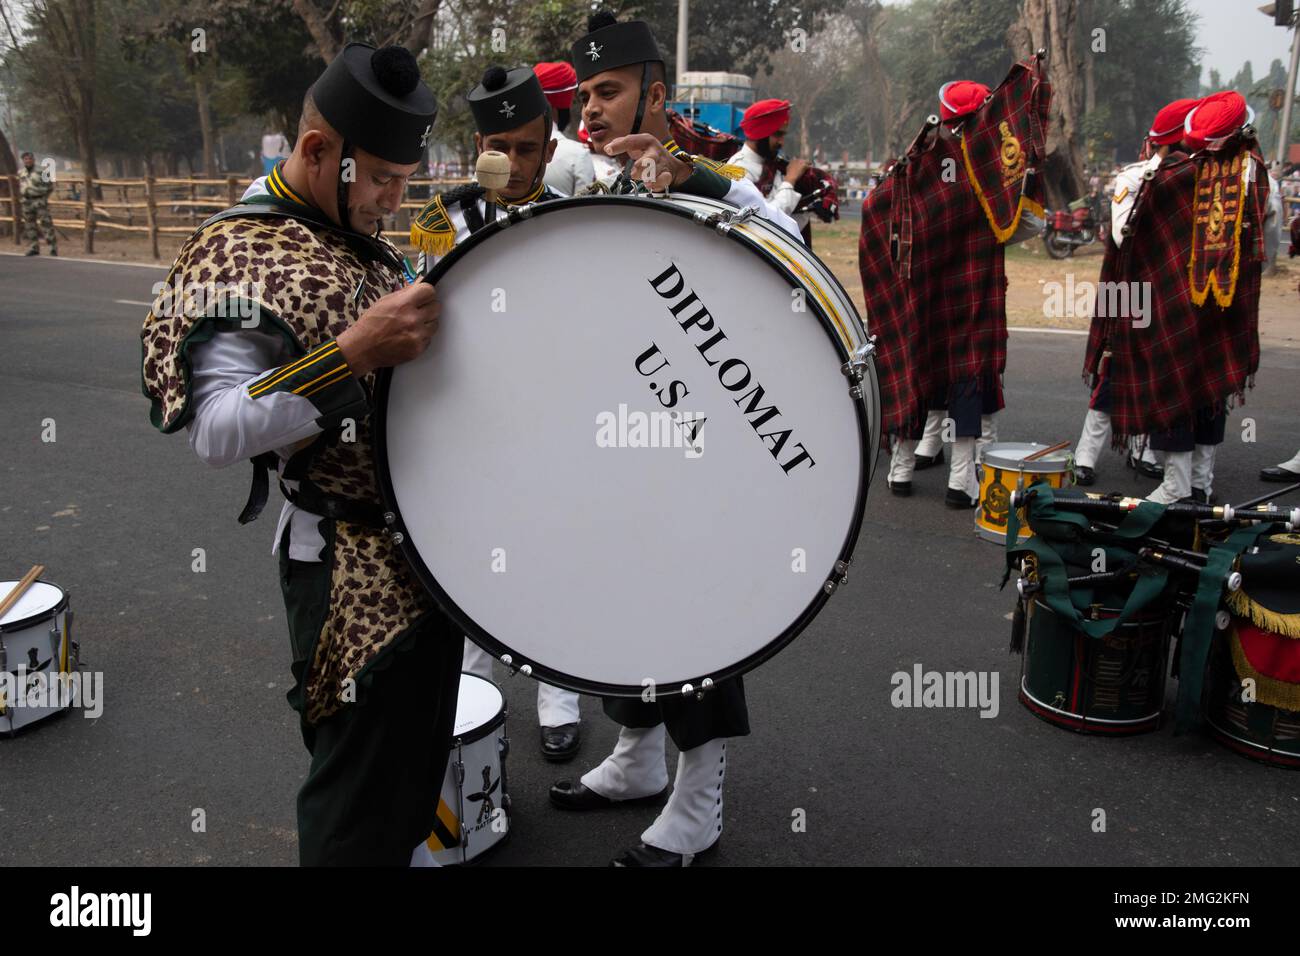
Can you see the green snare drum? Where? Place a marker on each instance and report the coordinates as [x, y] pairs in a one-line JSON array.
[[1102, 685]]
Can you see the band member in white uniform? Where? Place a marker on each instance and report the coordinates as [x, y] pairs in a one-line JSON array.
[[511, 116], [623, 91], [766, 125], [1166, 132]]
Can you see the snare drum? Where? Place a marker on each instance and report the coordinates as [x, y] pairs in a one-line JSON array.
[[474, 806], [1004, 469], [654, 479], [1111, 685], [35, 642], [1250, 727]]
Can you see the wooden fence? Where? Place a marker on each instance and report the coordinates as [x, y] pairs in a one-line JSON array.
[[158, 206]]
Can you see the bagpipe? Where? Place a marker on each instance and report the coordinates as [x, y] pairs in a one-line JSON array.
[[1107, 583], [819, 193], [701, 139]]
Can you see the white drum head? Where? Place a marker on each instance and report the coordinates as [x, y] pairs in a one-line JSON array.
[[605, 568], [479, 703], [38, 600]]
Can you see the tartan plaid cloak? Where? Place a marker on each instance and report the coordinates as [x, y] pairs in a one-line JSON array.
[[934, 281], [1188, 357]]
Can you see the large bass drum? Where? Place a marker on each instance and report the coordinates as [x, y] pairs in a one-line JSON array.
[[651, 478]]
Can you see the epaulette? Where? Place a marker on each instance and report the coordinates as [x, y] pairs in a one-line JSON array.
[[735, 173], [432, 230]]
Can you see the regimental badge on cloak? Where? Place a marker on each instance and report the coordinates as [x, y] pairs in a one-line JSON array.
[[1012, 156]]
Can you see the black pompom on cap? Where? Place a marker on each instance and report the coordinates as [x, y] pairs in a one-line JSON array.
[[600, 19], [494, 77], [395, 69]]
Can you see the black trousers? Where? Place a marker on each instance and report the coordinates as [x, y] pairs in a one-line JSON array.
[[690, 721], [1206, 427], [377, 765]]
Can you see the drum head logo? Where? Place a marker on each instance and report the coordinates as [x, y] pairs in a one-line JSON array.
[[484, 798], [997, 503]]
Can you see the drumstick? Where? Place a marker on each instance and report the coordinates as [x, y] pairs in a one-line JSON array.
[[17, 591], [1046, 451]]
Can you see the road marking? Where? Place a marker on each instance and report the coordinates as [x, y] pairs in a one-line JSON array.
[[94, 262], [1029, 328], [133, 302]]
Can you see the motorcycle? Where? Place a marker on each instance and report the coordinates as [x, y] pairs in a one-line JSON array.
[[1067, 229]]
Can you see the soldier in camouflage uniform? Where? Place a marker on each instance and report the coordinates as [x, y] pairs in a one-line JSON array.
[[35, 188]]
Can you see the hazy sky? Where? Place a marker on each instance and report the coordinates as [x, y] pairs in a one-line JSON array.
[[1234, 31]]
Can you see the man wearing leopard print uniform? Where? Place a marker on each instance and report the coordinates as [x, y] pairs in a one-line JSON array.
[[263, 343]]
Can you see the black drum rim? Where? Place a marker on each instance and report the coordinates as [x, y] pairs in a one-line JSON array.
[[489, 642], [12, 627]]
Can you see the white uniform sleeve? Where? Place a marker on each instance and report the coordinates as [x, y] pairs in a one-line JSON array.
[[744, 193], [1127, 184], [584, 170], [229, 426], [784, 196]]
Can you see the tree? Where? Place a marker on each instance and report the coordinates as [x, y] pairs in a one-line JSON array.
[[1051, 25]]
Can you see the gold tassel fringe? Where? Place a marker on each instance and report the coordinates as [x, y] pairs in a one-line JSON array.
[[432, 231]]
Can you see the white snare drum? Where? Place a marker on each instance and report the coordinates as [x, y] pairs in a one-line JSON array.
[[35, 642], [474, 807], [541, 490]]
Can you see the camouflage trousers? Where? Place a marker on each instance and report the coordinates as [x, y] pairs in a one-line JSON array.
[[37, 225]]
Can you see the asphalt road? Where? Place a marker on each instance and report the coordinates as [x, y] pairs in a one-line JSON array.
[[196, 664]]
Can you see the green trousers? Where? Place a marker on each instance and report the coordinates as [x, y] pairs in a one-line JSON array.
[[377, 765]]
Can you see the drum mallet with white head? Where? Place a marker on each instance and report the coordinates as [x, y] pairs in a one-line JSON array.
[[492, 170]]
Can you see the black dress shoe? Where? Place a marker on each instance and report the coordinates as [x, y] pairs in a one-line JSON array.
[[560, 743], [929, 461], [1198, 496], [901, 488], [645, 855], [1279, 474], [572, 795], [1146, 468], [1083, 475], [959, 499]]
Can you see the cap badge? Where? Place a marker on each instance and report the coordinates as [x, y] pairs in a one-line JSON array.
[[593, 51], [506, 109]]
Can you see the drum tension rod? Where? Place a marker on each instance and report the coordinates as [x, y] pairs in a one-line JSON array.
[[724, 220], [856, 367], [839, 577]]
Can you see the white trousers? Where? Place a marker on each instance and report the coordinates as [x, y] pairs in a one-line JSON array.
[[1293, 464], [1096, 436], [1177, 483], [932, 437], [691, 820], [555, 705], [902, 459]]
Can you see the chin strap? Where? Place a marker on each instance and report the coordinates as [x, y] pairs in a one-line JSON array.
[[344, 155], [640, 103]]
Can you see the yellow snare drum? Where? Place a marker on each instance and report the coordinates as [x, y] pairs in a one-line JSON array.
[[1003, 469]]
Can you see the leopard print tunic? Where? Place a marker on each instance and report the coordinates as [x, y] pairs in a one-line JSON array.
[[302, 281]]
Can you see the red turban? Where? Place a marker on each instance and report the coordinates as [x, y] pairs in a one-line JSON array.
[[1216, 117], [960, 97], [558, 80], [1167, 127], [764, 118]]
